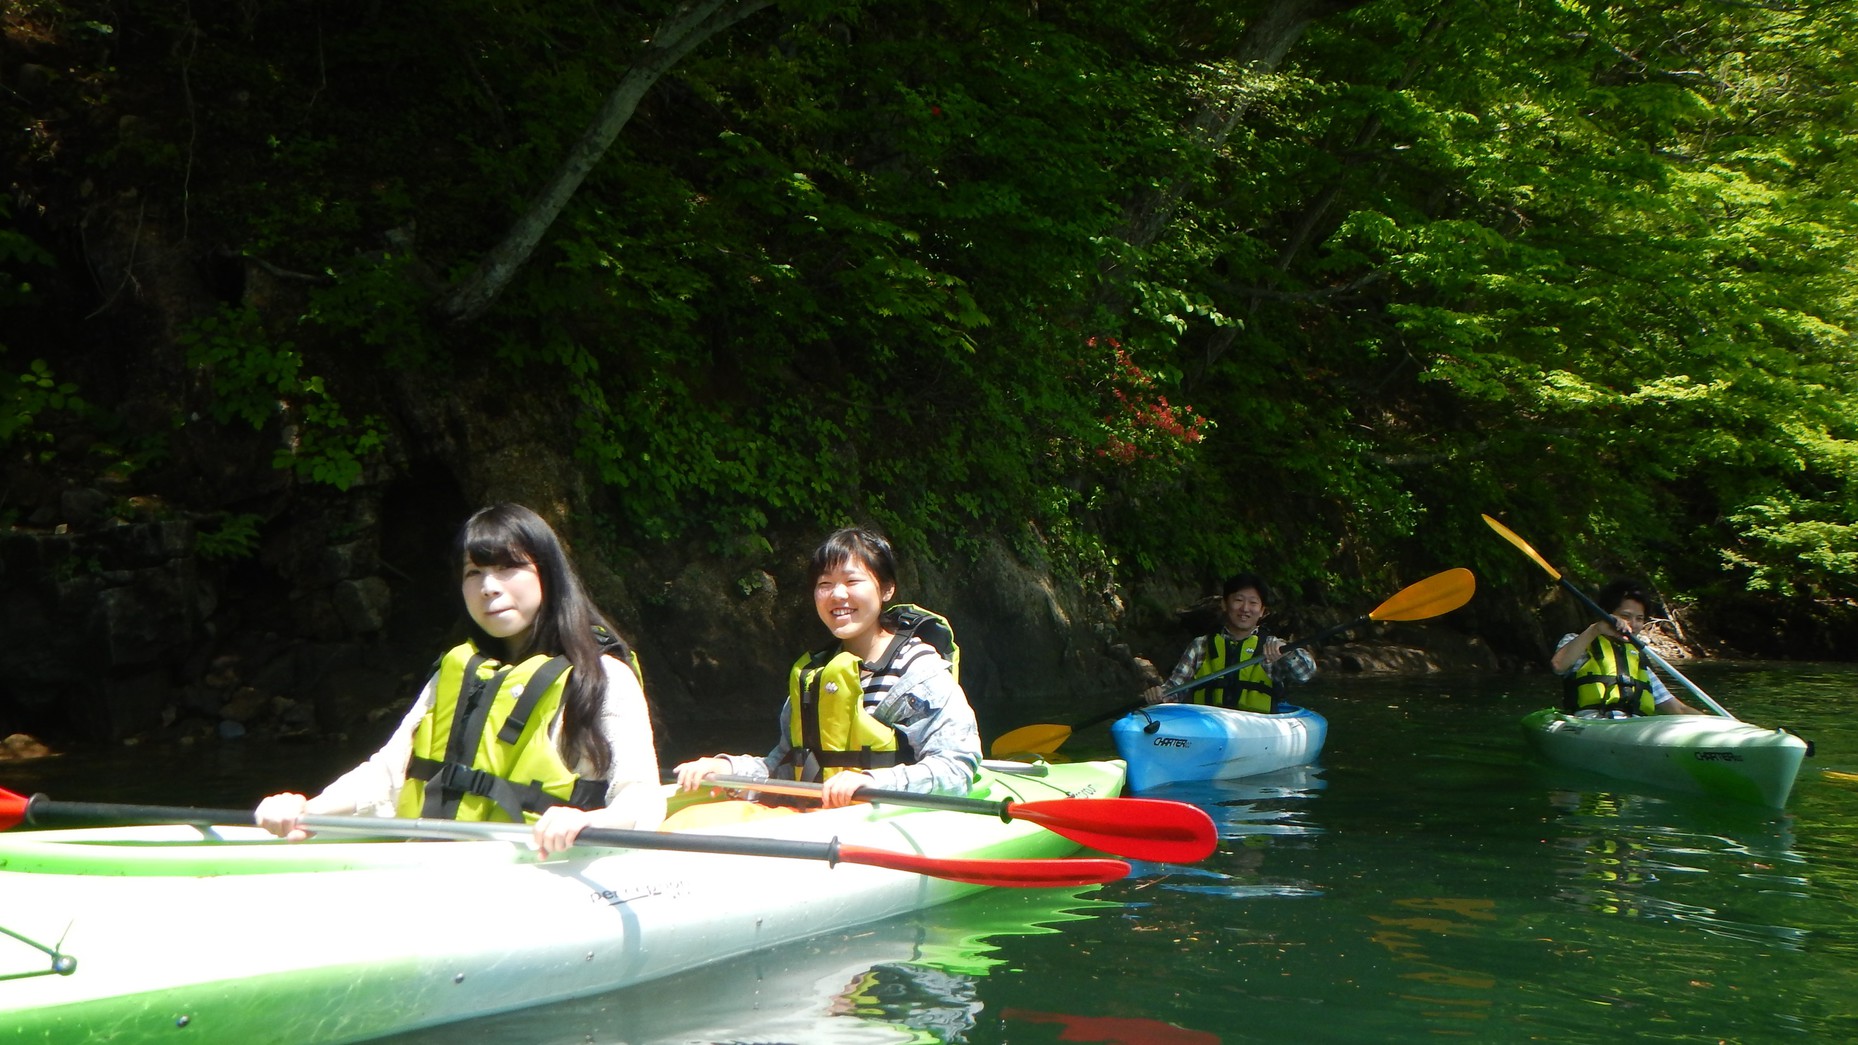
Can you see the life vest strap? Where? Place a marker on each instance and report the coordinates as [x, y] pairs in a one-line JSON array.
[[858, 759], [533, 692], [456, 781], [468, 716]]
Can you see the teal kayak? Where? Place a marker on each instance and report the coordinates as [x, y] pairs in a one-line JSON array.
[[184, 933], [1699, 754]]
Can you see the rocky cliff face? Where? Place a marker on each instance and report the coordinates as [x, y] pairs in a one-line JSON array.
[[329, 625]]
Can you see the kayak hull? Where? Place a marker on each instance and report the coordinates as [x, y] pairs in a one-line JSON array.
[[1698, 754], [1176, 743], [244, 938]]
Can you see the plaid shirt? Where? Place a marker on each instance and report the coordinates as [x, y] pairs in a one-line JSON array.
[[1295, 666]]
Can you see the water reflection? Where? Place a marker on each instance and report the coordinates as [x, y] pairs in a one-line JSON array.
[[1113, 1030], [1629, 855], [1251, 814], [913, 979]]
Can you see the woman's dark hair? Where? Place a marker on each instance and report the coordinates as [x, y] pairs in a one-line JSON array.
[[1621, 589], [1242, 581], [512, 535], [867, 546]]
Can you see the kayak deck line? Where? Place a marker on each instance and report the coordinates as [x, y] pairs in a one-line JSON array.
[[62, 964]]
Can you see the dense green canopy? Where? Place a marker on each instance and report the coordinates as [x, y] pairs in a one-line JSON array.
[[1184, 284]]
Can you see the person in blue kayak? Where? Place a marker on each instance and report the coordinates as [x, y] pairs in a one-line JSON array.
[[1243, 605], [539, 715], [879, 707], [1603, 673]]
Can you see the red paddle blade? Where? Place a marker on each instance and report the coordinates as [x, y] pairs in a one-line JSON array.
[[1058, 873], [12, 809], [1141, 828]]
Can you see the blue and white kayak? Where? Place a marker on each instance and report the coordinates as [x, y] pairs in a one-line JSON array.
[[1170, 743], [1700, 754]]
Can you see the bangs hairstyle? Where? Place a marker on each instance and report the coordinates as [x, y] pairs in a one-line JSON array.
[[512, 535], [852, 542]]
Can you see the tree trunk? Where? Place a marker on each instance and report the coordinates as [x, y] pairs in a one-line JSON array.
[[690, 25], [1268, 38]]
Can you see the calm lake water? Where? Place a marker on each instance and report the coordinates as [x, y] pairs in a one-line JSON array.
[[1427, 881]]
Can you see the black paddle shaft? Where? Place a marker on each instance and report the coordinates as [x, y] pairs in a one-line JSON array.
[[42, 811]]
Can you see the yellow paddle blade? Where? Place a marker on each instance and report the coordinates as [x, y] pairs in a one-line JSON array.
[[1439, 593], [1521, 545], [1040, 738]]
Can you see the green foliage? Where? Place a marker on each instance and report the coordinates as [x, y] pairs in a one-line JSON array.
[[26, 398], [29, 396], [234, 537], [960, 268], [377, 302], [262, 382], [16, 251]]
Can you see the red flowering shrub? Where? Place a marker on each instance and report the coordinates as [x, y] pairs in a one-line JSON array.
[[1139, 423]]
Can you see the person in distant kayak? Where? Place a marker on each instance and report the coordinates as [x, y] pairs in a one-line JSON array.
[[538, 716], [1603, 673], [881, 706], [1259, 687]]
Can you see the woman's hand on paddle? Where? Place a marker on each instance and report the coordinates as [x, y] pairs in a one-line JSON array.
[[279, 814], [842, 789], [691, 774], [558, 827]]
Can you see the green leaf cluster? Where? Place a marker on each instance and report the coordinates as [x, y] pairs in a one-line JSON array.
[[251, 377]]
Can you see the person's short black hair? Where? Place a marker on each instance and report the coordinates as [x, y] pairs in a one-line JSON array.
[[1622, 588], [855, 542], [1241, 581]]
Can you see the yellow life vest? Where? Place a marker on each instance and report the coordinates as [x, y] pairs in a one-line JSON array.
[[827, 718], [1257, 690], [482, 752], [1613, 678]]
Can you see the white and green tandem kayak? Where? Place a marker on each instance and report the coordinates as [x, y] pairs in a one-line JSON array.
[[199, 934], [1701, 754]]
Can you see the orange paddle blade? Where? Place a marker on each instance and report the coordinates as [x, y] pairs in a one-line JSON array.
[[1439, 593], [1521, 545], [1040, 738]]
